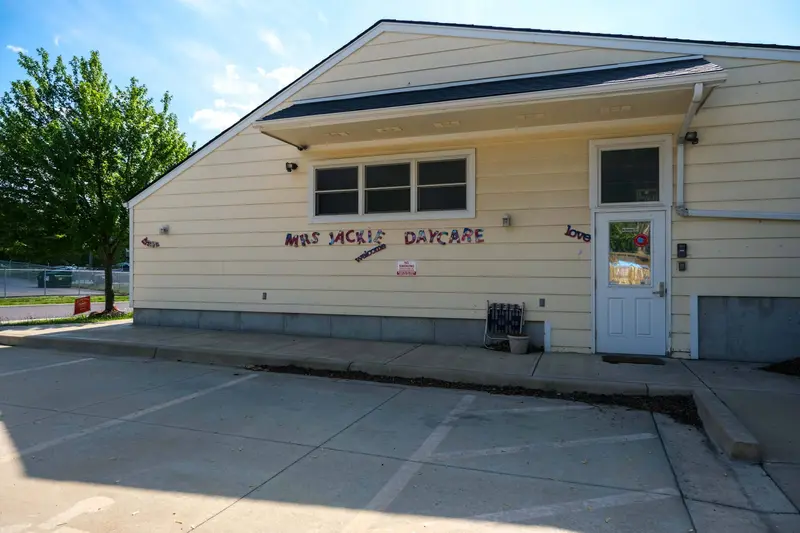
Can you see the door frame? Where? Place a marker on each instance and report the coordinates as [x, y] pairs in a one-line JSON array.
[[666, 179]]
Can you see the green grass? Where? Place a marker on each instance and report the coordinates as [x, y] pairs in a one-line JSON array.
[[81, 319], [43, 300]]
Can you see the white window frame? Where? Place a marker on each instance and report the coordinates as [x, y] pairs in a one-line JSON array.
[[412, 159]]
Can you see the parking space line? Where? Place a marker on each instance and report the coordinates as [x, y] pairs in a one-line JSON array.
[[45, 367], [523, 410], [392, 489], [117, 421], [501, 450], [577, 506]]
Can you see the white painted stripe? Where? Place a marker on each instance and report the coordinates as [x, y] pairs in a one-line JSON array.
[[523, 410], [117, 421], [501, 450], [392, 489], [540, 511], [45, 367]]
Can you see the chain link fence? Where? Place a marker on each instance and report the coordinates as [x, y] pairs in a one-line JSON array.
[[41, 280]]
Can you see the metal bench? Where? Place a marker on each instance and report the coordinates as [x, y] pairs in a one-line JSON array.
[[502, 319]]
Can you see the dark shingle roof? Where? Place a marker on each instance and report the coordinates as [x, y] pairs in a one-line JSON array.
[[595, 34], [503, 87]]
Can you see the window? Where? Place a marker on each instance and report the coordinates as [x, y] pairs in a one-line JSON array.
[[336, 191], [425, 186], [629, 175], [442, 185], [387, 188]]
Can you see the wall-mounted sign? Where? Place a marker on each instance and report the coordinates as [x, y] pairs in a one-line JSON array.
[[406, 268], [468, 235], [370, 252], [350, 236], [641, 240], [150, 244], [572, 232]]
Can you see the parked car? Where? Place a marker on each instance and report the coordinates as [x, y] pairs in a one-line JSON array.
[[125, 267], [55, 278]]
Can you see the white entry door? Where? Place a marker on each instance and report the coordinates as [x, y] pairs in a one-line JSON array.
[[631, 275]]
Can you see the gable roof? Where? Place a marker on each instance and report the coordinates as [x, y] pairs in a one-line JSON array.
[[629, 42], [608, 75]]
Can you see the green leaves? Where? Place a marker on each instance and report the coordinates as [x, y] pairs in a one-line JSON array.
[[73, 148]]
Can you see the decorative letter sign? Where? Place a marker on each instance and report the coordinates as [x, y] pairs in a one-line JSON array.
[[571, 232], [150, 244], [370, 252], [351, 236], [467, 235]]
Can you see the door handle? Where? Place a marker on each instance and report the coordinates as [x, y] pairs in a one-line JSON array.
[[662, 289]]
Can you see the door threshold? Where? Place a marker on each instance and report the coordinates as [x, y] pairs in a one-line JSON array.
[[616, 359]]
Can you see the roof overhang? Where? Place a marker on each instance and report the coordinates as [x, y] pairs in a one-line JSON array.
[[624, 100]]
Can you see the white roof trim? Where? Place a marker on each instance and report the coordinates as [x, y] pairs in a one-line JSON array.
[[478, 33], [543, 74], [620, 43]]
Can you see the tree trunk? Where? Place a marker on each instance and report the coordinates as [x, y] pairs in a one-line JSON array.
[[108, 264]]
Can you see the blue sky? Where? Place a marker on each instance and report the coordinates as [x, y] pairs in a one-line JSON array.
[[221, 58]]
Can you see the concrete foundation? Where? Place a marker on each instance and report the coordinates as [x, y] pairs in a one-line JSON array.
[[448, 331], [748, 328]]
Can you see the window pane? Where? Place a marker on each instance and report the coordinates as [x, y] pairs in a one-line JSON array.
[[437, 172], [629, 253], [629, 175], [332, 179], [388, 175], [337, 203], [442, 198], [389, 201]]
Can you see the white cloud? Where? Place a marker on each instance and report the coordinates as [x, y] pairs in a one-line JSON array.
[[16, 49], [221, 103], [283, 75], [272, 40], [233, 84], [57, 40], [322, 18], [213, 119]]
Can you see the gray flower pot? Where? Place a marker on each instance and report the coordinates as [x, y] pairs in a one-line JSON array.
[[518, 343]]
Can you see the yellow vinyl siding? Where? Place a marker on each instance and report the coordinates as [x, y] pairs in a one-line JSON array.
[[228, 223], [748, 159], [229, 213], [385, 63]]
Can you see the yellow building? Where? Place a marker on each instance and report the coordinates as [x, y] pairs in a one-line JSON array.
[[638, 195]]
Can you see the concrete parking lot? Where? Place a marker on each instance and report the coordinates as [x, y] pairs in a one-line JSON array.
[[94, 444]]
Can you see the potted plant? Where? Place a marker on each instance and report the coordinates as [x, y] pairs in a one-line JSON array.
[[518, 343]]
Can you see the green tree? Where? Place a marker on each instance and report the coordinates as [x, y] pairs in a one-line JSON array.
[[73, 149]]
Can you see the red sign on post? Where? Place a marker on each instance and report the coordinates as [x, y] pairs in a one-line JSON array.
[[82, 305]]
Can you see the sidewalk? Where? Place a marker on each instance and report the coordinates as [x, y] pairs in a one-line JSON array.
[[735, 400]]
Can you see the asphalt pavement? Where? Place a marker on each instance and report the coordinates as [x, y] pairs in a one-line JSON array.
[[94, 444]]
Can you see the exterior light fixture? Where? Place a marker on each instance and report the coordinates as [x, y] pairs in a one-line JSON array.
[[290, 166], [691, 137]]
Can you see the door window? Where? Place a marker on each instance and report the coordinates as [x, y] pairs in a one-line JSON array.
[[629, 176], [629, 253]]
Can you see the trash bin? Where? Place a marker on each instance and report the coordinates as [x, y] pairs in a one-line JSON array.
[[55, 279]]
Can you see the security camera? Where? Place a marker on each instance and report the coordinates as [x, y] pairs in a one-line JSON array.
[[290, 166]]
